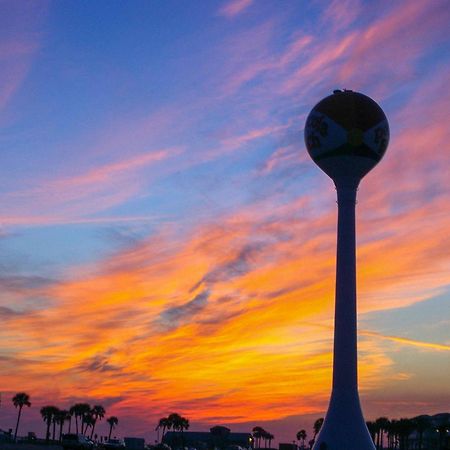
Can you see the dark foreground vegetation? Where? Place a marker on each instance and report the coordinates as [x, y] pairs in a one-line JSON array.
[[63, 427], [418, 433]]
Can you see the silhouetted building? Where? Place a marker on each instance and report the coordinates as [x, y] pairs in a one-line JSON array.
[[217, 437], [287, 446], [133, 443]]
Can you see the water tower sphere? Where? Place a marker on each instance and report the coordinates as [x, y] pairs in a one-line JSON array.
[[346, 134]]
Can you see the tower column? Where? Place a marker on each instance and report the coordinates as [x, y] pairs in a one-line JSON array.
[[345, 371], [344, 427]]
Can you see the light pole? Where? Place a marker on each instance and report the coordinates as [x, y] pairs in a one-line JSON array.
[[346, 135]]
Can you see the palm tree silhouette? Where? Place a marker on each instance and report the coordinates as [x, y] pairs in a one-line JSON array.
[[113, 421], [421, 424], [301, 436], [20, 400], [269, 437], [79, 410], [163, 423], [258, 433], [55, 416], [404, 428], [372, 427], [83, 409], [317, 426], [88, 421], [382, 424], [178, 423], [183, 425], [175, 421], [73, 412], [61, 417], [392, 433], [98, 412], [47, 413]]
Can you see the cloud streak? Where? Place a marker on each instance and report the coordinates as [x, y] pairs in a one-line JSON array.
[[406, 341], [234, 8]]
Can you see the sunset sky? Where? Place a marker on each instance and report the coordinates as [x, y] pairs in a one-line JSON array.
[[166, 243]]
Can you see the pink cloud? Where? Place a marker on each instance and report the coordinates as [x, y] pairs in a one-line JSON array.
[[341, 13], [286, 156], [71, 199], [346, 54], [320, 63], [106, 173], [251, 56], [234, 8], [21, 22], [391, 44]]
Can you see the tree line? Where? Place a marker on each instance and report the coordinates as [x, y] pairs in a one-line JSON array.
[[404, 433], [418, 433], [85, 417]]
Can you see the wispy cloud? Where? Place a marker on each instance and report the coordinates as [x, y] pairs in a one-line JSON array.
[[72, 199], [21, 35], [406, 341], [234, 7]]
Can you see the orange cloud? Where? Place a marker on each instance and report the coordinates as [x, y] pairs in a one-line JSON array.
[[211, 324], [405, 341]]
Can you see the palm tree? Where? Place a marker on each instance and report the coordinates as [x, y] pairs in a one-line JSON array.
[[258, 433], [372, 427], [88, 421], [269, 437], [301, 436], [178, 423], [55, 416], [265, 437], [163, 423], [382, 424], [175, 421], [20, 400], [60, 418], [113, 421], [47, 413], [73, 412], [183, 425], [404, 428], [421, 424], [98, 412], [317, 426], [392, 433], [79, 410], [82, 410]]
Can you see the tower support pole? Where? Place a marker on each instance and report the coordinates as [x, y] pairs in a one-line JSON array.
[[344, 427]]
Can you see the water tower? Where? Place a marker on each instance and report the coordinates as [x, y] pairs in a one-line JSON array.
[[346, 135]]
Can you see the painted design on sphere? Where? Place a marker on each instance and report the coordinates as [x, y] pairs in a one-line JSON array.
[[326, 138]]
